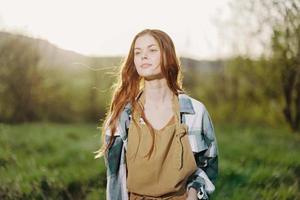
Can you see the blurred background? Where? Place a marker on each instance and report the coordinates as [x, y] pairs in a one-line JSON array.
[[59, 60]]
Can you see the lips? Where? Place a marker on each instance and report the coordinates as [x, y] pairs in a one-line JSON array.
[[145, 65]]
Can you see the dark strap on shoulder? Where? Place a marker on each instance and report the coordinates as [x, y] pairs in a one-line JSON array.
[[182, 118]]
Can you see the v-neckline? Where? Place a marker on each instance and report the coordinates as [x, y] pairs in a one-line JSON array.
[[141, 101], [165, 126]]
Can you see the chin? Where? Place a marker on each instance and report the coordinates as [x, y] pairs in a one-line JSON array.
[[146, 74]]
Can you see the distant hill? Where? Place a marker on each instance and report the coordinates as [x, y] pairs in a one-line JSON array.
[[203, 66], [53, 56]]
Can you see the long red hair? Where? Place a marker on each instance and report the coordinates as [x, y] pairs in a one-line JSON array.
[[129, 83]]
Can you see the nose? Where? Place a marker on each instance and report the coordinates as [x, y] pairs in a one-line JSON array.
[[144, 55]]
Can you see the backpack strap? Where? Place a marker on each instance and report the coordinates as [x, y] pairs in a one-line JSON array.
[[182, 118]]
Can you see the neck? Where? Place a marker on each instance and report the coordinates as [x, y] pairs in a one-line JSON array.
[[157, 91]]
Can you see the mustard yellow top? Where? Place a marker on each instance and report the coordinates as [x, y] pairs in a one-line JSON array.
[[172, 161]]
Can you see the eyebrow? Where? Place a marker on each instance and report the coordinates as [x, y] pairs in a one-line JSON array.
[[148, 46]]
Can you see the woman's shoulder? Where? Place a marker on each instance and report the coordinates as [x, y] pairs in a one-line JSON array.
[[189, 102]]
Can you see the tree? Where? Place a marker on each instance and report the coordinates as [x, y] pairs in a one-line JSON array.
[[19, 80], [286, 58], [280, 21]]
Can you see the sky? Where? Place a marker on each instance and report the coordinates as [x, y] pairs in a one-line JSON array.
[[106, 28]]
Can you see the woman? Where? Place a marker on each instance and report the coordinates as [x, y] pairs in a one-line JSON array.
[[159, 143]]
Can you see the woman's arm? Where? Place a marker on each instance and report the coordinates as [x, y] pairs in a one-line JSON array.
[[203, 180]]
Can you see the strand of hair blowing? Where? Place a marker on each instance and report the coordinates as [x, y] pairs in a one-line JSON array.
[[125, 91]]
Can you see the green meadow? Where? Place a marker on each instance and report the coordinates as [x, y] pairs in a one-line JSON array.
[[50, 161], [55, 161]]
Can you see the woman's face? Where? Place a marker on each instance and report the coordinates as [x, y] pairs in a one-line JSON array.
[[147, 56]]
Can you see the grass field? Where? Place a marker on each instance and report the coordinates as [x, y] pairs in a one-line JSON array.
[[55, 161]]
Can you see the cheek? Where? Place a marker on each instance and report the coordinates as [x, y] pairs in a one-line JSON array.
[[156, 59], [136, 61]]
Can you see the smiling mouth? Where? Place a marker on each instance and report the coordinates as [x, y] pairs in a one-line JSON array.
[[145, 65]]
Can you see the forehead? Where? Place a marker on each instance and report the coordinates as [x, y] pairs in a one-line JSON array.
[[145, 41]]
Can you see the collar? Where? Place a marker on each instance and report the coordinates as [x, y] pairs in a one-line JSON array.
[[185, 102]]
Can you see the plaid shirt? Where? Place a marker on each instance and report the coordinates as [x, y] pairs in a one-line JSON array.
[[202, 140]]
